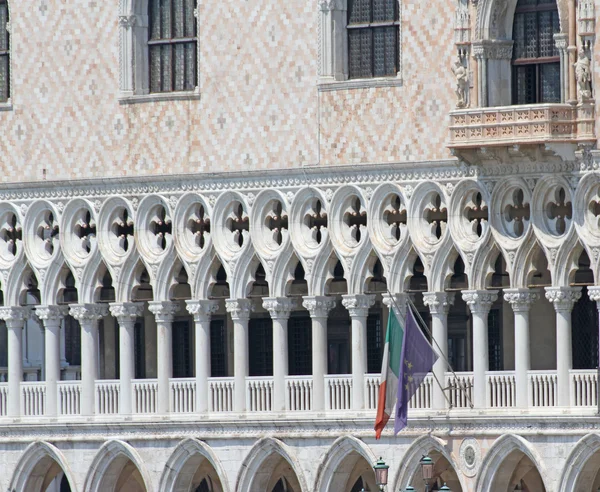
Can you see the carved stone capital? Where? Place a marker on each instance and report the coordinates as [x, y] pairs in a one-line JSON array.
[[563, 298], [15, 316], [126, 311], [202, 310], [329, 5], [594, 294], [127, 21], [358, 304], [279, 307], [51, 315], [397, 301], [88, 312], [239, 309], [438, 302], [493, 49], [318, 306], [521, 299], [480, 301], [163, 311]]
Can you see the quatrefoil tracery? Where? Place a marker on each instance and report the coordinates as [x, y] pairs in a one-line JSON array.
[[161, 227], [394, 215], [238, 223], [123, 229], [477, 214], [437, 217], [47, 231], [355, 219], [85, 230], [199, 225], [560, 211], [277, 222], [517, 214], [11, 233], [316, 221]]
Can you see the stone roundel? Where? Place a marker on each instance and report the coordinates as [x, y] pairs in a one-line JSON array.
[[79, 231], [270, 223], [552, 210], [231, 234], [586, 209], [309, 222], [11, 235], [511, 215], [388, 218], [469, 212], [470, 457], [192, 227], [116, 224], [41, 234], [428, 217], [348, 220], [154, 236]]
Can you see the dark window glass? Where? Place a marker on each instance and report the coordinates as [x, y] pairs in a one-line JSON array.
[[300, 345], [495, 351], [372, 38], [374, 343], [536, 63], [72, 341], [218, 348], [4, 53], [182, 350], [261, 347], [584, 319], [139, 350], [172, 45]]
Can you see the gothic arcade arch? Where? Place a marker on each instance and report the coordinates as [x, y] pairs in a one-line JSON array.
[[510, 461], [192, 462], [117, 467], [266, 463], [39, 465], [582, 468]]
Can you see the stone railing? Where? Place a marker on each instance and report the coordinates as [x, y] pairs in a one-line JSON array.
[[183, 395], [3, 399], [584, 388], [372, 390], [516, 125], [145, 394], [501, 389], [338, 392], [220, 394], [459, 389], [107, 397], [299, 393], [259, 395], [543, 388], [69, 397], [33, 399]]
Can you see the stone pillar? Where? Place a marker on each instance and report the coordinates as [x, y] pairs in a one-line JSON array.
[[164, 313], [563, 299], [399, 302], [280, 309], [126, 314], [358, 306], [88, 316], [240, 310], [14, 317], [202, 310], [521, 301], [439, 304], [318, 308], [51, 317], [480, 303]]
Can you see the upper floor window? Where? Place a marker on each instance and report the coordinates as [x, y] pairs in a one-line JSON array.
[[536, 59], [373, 30], [172, 45], [4, 53]]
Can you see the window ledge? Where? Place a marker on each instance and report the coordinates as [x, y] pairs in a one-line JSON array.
[[6, 106], [160, 96], [346, 85]]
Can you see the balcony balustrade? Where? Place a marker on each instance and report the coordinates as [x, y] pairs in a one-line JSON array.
[[501, 394]]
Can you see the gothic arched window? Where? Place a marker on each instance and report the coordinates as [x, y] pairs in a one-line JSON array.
[[4, 53], [536, 59], [172, 44]]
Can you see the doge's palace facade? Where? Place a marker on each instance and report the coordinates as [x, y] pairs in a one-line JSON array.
[[207, 210]]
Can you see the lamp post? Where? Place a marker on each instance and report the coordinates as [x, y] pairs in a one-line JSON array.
[[426, 470], [381, 473], [445, 488]]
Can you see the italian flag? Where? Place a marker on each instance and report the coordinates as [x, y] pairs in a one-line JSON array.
[[390, 370]]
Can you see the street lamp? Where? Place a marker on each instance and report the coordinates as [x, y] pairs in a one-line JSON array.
[[445, 488], [381, 473], [426, 470]]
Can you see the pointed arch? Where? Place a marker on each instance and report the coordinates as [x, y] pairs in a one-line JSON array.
[[442, 267], [410, 461], [108, 464], [261, 463], [582, 466], [38, 466], [189, 456], [506, 450], [329, 478]]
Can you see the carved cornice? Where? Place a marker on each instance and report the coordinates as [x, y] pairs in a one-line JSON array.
[[358, 304], [318, 306], [563, 298], [480, 301], [521, 299], [202, 310], [127, 311], [163, 311], [438, 302], [239, 309], [279, 307]]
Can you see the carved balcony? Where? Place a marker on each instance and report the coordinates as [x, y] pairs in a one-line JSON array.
[[510, 126]]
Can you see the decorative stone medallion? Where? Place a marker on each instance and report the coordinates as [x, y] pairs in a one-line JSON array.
[[470, 457]]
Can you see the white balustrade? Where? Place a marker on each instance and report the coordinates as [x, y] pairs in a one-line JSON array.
[[259, 394], [220, 394], [372, 390], [338, 392], [421, 399], [33, 398], [542, 388], [69, 397], [3, 399], [299, 393], [107, 397], [501, 389], [459, 389], [145, 394], [183, 395], [584, 388]]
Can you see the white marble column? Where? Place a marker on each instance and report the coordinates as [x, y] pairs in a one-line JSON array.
[[563, 299], [88, 316], [280, 309], [240, 310], [521, 301], [358, 306], [439, 304], [480, 303], [14, 317], [202, 311], [126, 314], [164, 313], [51, 317], [318, 308]]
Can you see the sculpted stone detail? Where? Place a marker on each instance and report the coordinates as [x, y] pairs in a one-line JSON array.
[[358, 304], [88, 312], [318, 306], [583, 74], [470, 457], [563, 298], [239, 308], [521, 299], [202, 310], [462, 83], [480, 301], [51, 313], [594, 294], [279, 307], [438, 302], [163, 311], [127, 311], [15, 317]]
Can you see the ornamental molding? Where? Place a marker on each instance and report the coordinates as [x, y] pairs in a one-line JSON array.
[[16, 316], [493, 49], [480, 301], [563, 298], [127, 311], [279, 307], [163, 311], [358, 304], [470, 456], [85, 313], [239, 309], [51, 314], [594, 294], [521, 299], [202, 310], [438, 302], [318, 306]]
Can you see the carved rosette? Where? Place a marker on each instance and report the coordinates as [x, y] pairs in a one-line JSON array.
[[239, 309], [279, 307], [438, 302], [318, 306], [163, 311], [480, 301], [521, 299], [358, 304], [15, 316], [202, 310], [127, 311], [563, 298]]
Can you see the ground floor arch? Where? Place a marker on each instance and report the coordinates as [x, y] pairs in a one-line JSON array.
[[582, 469]]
